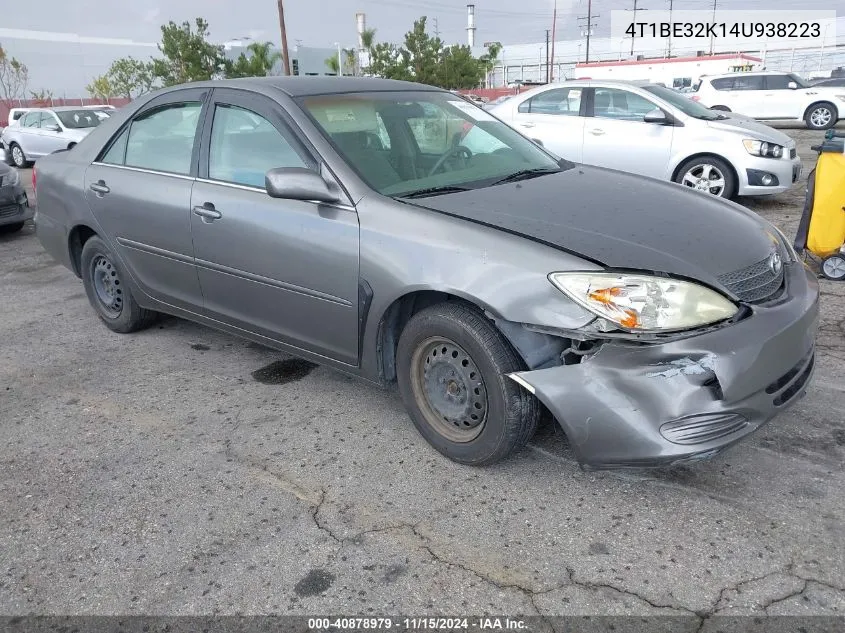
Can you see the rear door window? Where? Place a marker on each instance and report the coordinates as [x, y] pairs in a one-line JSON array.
[[754, 82], [162, 139], [560, 101]]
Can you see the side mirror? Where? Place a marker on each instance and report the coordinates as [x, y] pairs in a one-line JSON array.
[[792, 85], [298, 183], [52, 128], [656, 116]]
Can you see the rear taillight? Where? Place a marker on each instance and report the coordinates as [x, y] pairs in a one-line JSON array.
[[33, 181]]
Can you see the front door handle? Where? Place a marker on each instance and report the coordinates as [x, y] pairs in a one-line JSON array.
[[99, 188], [596, 132], [207, 212], [527, 124]]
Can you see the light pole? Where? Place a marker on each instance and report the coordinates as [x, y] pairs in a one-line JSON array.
[[824, 38], [339, 61]]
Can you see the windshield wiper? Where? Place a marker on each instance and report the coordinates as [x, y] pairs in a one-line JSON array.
[[525, 174], [433, 191]]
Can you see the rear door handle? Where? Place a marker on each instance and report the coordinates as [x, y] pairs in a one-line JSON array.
[[99, 188], [527, 124], [596, 132], [207, 212]]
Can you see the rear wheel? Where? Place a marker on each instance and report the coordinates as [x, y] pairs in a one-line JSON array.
[[452, 366], [833, 267], [708, 174], [18, 157], [721, 108], [104, 281], [820, 116]]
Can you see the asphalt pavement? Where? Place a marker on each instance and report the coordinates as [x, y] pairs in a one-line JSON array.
[[164, 472]]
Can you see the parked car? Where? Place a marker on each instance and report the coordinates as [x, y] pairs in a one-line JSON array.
[[772, 96], [42, 131], [655, 131], [15, 115], [497, 101], [655, 323], [14, 206]]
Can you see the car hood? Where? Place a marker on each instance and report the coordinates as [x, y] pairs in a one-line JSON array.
[[754, 129], [77, 134], [621, 221]]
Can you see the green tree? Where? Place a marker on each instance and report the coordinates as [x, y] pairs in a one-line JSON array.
[[258, 61], [101, 88], [332, 64], [425, 59], [41, 97], [188, 55], [129, 77], [14, 79]]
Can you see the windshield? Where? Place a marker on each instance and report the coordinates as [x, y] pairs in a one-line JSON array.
[[406, 142], [75, 119], [684, 104]]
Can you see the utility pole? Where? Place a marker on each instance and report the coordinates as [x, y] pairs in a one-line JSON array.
[[635, 28], [554, 30], [669, 47], [712, 42], [285, 55], [587, 28], [547, 55], [436, 29]]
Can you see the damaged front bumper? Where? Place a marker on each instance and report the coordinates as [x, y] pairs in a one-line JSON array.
[[634, 404]]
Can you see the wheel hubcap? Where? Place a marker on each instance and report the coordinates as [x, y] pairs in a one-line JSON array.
[[820, 117], [17, 155], [834, 267], [705, 177], [450, 390], [107, 285]]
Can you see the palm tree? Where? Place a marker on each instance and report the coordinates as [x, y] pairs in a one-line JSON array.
[[263, 56], [351, 60], [368, 40], [332, 64]]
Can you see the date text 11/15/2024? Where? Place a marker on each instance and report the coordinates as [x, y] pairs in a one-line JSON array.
[[417, 624]]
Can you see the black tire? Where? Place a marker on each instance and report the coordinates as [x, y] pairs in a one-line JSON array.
[[820, 116], [99, 266], [727, 172], [11, 228], [721, 108], [20, 162], [479, 359]]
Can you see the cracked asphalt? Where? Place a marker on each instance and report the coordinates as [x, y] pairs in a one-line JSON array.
[[183, 471]]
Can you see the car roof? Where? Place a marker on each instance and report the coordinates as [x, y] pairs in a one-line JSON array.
[[55, 109], [617, 83], [755, 73], [304, 86]]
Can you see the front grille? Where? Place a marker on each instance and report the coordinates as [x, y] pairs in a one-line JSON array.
[[6, 211], [793, 152], [792, 382], [755, 284]]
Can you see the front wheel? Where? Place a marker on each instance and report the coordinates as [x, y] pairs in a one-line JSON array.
[[105, 285], [833, 267], [18, 157], [452, 367], [820, 116], [708, 174]]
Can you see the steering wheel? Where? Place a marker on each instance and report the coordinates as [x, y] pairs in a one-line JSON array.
[[454, 151]]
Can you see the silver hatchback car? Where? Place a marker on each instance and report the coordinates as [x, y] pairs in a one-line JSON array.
[[42, 131]]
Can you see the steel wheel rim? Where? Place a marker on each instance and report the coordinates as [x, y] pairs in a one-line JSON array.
[[705, 177], [821, 117], [17, 156], [834, 267], [107, 285], [449, 389]]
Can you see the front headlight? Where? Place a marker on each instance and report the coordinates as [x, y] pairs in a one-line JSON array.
[[763, 148], [791, 255], [642, 303], [12, 179]]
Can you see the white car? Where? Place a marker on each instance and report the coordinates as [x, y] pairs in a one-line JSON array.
[[771, 96], [42, 131], [651, 130]]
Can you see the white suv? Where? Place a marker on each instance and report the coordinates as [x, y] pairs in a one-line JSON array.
[[771, 96]]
